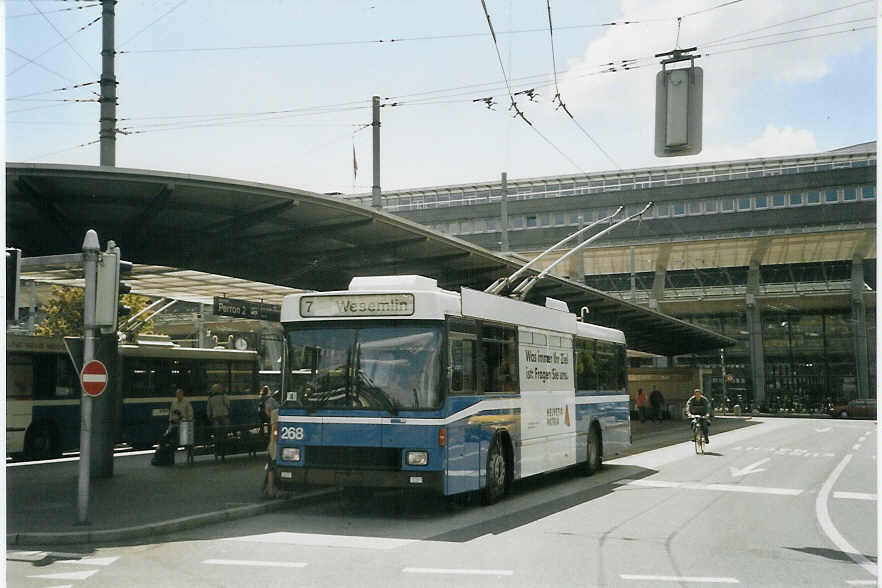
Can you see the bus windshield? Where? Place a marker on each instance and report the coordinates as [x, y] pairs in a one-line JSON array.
[[372, 367]]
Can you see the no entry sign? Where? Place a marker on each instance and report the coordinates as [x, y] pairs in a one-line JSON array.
[[94, 378]]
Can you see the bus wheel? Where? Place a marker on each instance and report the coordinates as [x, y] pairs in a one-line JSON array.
[[594, 452], [496, 473], [40, 443]]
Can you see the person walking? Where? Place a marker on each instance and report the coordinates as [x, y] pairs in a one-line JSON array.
[[640, 403], [657, 401], [218, 408], [271, 409]]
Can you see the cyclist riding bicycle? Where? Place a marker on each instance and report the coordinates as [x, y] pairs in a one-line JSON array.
[[699, 407]]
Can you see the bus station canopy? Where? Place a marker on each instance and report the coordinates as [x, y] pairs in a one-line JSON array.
[[241, 233]]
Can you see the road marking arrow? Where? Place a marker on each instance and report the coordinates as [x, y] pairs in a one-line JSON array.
[[824, 430], [751, 469]]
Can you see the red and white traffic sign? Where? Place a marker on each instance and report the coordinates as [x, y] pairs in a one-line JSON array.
[[94, 378]]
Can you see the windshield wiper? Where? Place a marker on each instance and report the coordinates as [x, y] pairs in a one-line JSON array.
[[377, 392]]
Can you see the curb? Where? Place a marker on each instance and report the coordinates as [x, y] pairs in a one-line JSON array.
[[163, 527]]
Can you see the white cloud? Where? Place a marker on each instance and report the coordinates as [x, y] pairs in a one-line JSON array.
[[773, 142]]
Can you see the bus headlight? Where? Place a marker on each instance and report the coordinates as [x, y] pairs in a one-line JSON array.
[[417, 458], [290, 454]]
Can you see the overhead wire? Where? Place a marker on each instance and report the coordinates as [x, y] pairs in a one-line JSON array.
[[388, 41], [514, 104], [63, 40], [560, 101], [790, 21], [64, 89], [60, 34], [130, 39], [786, 41], [9, 16]]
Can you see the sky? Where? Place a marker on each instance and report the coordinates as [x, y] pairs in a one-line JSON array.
[[279, 91]]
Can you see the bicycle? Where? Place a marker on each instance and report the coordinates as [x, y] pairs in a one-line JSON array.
[[698, 434]]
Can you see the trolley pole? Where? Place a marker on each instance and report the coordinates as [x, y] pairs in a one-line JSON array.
[[107, 121], [376, 199], [90, 262]]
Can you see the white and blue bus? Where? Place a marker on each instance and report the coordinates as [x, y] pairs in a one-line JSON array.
[[43, 391], [397, 383]]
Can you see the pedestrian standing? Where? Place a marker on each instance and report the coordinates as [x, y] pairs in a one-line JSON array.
[[271, 408], [641, 405], [658, 402], [218, 408]]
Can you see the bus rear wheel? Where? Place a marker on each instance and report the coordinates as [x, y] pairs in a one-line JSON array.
[[40, 443], [496, 473]]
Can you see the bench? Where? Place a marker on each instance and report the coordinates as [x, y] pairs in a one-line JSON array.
[[223, 440]]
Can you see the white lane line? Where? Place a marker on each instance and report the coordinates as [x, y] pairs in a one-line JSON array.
[[84, 575], [319, 540], [861, 582], [254, 562], [701, 579], [856, 446], [824, 430], [823, 515], [63, 586], [90, 561], [855, 495], [458, 572], [717, 487]]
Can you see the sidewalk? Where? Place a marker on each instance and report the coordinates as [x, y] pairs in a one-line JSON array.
[[141, 500]]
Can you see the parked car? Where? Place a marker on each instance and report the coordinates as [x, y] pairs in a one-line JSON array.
[[858, 408]]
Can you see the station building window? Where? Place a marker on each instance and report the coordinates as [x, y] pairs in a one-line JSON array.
[[491, 224], [727, 204], [778, 200], [544, 220], [849, 194], [678, 208], [694, 207], [796, 199], [813, 197], [868, 192], [762, 201], [574, 218], [531, 222], [710, 206], [517, 222], [559, 219], [662, 210], [744, 203], [831, 196]]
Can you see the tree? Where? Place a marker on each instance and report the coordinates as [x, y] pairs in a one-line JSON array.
[[64, 312]]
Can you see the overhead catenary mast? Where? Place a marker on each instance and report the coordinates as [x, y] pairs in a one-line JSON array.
[[107, 120]]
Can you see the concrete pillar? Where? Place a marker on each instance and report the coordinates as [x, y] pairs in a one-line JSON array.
[[658, 282], [755, 334], [859, 325]]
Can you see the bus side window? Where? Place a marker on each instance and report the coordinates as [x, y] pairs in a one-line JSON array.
[[462, 364], [586, 366], [499, 359]]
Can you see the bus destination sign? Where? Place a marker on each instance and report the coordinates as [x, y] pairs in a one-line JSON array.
[[357, 305]]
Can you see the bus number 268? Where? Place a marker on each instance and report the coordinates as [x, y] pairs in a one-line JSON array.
[[292, 433]]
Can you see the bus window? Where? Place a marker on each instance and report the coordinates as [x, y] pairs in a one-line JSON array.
[[499, 356], [216, 372], [138, 377], [19, 376], [607, 370], [241, 378], [462, 366], [586, 367], [66, 379], [621, 367]]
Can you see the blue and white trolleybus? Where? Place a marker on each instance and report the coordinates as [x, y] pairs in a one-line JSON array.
[[398, 383]]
